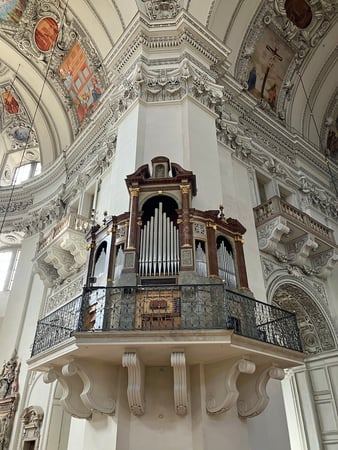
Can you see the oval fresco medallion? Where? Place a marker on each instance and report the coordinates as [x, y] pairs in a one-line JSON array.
[[46, 33]]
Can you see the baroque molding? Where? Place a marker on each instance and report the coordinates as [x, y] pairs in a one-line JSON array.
[[162, 9]]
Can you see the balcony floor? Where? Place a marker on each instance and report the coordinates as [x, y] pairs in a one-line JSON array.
[[155, 347]]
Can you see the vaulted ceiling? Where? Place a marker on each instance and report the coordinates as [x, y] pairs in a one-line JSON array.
[[308, 93]]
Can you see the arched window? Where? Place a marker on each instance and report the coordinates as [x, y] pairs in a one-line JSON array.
[[26, 171], [159, 243], [225, 260]]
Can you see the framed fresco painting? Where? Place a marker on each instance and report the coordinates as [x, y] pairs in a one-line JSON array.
[[269, 63], [12, 9], [80, 82], [10, 104]]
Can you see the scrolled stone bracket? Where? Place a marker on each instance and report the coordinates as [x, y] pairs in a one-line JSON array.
[[72, 388], [271, 233], [86, 387], [232, 372], [253, 398], [135, 390], [178, 363]]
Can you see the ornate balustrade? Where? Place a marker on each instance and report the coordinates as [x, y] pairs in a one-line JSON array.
[[275, 207], [166, 308], [72, 221], [295, 238], [63, 250]]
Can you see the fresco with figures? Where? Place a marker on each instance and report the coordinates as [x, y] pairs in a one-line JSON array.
[[332, 137], [269, 63], [12, 9], [80, 82]]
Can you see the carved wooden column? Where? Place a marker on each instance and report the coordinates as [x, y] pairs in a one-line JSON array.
[[112, 254], [243, 278], [133, 213], [130, 261], [186, 235], [211, 248], [91, 247]]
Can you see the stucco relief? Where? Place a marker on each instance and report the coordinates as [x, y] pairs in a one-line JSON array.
[[160, 9], [316, 334], [157, 85]]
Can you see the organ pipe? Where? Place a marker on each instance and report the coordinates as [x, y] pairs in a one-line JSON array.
[[159, 246]]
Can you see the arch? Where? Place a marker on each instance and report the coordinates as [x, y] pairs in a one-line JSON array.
[[152, 201], [316, 331], [159, 237]]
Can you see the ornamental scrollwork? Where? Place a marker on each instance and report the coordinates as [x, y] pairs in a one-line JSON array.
[[162, 9]]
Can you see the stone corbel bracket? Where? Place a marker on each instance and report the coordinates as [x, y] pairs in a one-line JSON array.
[[300, 251], [72, 388], [232, 372], [135, 390], [325, 263], [270, 234], [86, 387], [178, 363], [253, 398]]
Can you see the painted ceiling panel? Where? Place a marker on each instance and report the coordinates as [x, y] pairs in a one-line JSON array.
[[98, 24]]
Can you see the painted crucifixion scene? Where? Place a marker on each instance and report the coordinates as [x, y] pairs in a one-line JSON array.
[[269, 63]]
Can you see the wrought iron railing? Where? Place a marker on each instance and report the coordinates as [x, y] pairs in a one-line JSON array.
[[57, 326], [184, 307]]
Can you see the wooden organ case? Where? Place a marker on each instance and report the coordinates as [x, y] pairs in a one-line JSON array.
[[161, 244]]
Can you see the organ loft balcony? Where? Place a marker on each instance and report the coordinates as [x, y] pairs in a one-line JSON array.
[[295, 238], [166, 285]]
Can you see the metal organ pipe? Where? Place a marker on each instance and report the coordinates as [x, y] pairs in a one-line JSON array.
[[159, 246], [226, 265]]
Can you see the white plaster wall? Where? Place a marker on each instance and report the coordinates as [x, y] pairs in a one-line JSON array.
[[185, 133], [16, 312], [113, 196], [269, 430], [4, 295], [237, 202]]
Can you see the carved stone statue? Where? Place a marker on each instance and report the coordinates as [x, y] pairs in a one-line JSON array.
[[9, 398]]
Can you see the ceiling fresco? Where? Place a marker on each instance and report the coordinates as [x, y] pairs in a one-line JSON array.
[[12, 10], [275, 45]]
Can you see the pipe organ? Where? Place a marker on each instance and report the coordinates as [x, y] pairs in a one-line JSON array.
[[159, 246], [162, 237]]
